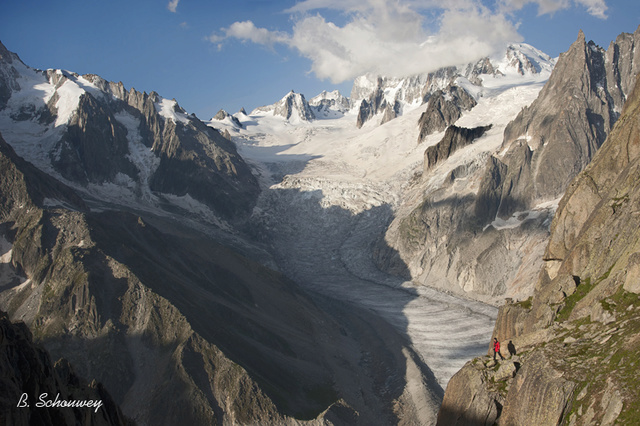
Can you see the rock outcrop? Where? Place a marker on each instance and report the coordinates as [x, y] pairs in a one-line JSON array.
[[224, 115], [454, 138], [577, 338], [86, 152], [443, 109], [293, 107], [8, 75], [327, 102]]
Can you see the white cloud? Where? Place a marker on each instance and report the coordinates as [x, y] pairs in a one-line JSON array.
[[396, 44], [173, 5], [246, 30], [395, 38], [597, 8]]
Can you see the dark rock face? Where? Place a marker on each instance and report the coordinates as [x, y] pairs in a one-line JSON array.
[[496, 196], [443, 109], [8, 75], [28, 370], [454, 138], [371, 105], [94, 148], [197, 160], [365, 112], [567, 123]]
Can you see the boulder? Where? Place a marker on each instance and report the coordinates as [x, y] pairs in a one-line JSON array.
[[632, 279], [539, 395], [467, 401]]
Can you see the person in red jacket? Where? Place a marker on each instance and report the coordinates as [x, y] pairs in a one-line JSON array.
[[496, 349]]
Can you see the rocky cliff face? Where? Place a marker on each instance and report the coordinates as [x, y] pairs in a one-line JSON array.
[[481, 227], [574, 345], [88, 131], [35, 390]]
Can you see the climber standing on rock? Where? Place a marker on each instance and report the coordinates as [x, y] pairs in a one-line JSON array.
[[496, 349]]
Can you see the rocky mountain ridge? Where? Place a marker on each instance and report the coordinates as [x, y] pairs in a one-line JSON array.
[[389, 97], [575, 342], [95, 133]]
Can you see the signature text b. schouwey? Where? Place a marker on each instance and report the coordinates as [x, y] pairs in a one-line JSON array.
[[45, 402]]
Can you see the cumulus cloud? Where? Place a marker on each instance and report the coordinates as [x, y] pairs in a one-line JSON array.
[[394, 38], [173, 5]]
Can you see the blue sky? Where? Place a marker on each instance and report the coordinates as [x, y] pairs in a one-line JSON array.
[[247, 53]]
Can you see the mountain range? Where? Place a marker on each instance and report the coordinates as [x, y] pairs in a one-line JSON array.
[[332, 261]]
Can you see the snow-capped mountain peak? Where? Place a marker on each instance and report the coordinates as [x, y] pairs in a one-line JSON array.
[[293, 107], [329, 104], [525, 59]]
